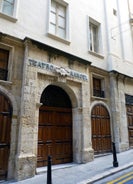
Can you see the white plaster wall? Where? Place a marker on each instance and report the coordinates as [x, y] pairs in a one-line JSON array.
[[32, 21], [119, 36]]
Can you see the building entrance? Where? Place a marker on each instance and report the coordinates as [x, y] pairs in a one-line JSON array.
[[101, 134], [129, 108], [55, 127]]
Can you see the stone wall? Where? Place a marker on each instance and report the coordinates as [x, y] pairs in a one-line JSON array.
[[31, 70]]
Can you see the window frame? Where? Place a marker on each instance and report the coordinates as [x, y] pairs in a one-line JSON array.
[[10, 49], [66, 39], [94, 44], [101, 93], [99, 50], [13, 17]]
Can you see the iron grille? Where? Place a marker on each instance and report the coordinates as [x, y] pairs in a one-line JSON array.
[[98, 93]]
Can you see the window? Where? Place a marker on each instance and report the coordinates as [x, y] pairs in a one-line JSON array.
[[58, 21], [7, 7], [95, 38], [94, 44], [4, 56], [98, 87]]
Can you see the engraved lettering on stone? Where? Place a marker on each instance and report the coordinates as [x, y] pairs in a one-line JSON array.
[[60, 70]]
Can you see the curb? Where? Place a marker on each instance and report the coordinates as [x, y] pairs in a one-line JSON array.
[[106, 174]]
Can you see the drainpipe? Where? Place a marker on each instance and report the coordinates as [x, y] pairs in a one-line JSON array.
[[120, 31], [130, 20], [109, 60]]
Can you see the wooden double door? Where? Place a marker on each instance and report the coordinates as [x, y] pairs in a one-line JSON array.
[[55, 135], [101, 133], [5, 128]]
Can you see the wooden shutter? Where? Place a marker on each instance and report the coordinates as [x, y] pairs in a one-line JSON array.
[[4, 55]]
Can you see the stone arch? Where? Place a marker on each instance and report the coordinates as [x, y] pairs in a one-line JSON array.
[[13, 136], [102, 103], [55, 127], [55, 96], [69, 92], [11, 98], [42, 83], [66, 88]]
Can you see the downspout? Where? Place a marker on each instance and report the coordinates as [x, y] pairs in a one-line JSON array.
[[130, 21], [109, 60], [120, 31]]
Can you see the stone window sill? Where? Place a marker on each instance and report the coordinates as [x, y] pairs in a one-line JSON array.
[[96, 54], [5, 82], [59, 39], [98, 98], [7, 17]]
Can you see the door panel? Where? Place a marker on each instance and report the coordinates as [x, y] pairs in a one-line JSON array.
[[101, 135], [130, 123], [55, 135], [5, 128]]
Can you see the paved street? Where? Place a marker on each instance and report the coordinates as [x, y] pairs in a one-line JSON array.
[[84, 173], [123, 177]]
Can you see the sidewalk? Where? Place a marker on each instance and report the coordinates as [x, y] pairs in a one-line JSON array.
[[83, 173]]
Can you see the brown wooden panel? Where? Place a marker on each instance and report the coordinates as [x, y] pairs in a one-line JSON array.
[[101, 134], [4, 55], [55, 135], [130, 123], [5, 128]]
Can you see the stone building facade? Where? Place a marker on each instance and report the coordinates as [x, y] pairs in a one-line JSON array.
[[58, 96]]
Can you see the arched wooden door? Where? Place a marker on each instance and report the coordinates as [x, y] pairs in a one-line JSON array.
[[5, 129], [129, 108], [55, 127], [101, 134]]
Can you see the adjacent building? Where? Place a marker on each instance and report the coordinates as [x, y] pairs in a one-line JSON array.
[[66, 82]]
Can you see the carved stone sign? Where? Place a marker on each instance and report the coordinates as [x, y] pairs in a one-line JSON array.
[[60, 70]]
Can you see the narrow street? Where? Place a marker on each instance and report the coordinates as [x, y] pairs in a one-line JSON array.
[[123, 177]]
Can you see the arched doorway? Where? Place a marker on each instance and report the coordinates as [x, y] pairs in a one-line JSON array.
[[101, 133], [129, 111], [55, 127], [5, 130]]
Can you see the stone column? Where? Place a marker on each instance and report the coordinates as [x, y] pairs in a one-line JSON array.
[[77, 142], [26, 153], [123, 117], [87, 151], [118, 112]]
